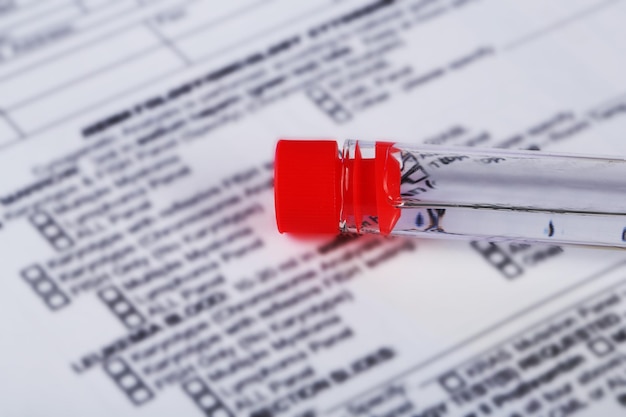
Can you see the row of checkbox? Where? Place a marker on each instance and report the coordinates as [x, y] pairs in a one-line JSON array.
[[51, 231], [498, 258], [329, 105], [136, 390], [121, 307], [205, 399], [45, 287]]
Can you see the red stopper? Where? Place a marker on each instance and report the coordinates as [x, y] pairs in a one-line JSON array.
[[307, 181]]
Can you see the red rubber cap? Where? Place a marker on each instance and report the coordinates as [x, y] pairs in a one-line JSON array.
[[307, 181]]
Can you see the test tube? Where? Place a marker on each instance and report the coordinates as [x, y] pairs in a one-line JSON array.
[[450, 192]]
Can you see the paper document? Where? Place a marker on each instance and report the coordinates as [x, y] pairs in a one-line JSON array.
[[141, 272]]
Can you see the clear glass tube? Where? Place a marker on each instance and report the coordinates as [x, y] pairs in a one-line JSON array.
[[432, 191]]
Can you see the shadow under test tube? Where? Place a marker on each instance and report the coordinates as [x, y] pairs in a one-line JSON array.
[[433, 191]]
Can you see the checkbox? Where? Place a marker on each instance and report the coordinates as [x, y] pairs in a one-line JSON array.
[[600, 347], [452, 382]]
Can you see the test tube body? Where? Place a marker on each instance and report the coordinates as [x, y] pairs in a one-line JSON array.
[[482, 194]]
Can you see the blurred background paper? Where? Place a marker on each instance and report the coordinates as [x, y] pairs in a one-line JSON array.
[[141, 270]]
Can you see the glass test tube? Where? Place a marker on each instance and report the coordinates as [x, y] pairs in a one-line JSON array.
[[443, 192]]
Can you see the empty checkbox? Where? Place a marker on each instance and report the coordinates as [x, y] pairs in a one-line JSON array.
[[452, 382], [600, 347]]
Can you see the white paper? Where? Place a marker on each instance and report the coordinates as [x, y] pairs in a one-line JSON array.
[[141, 270]]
